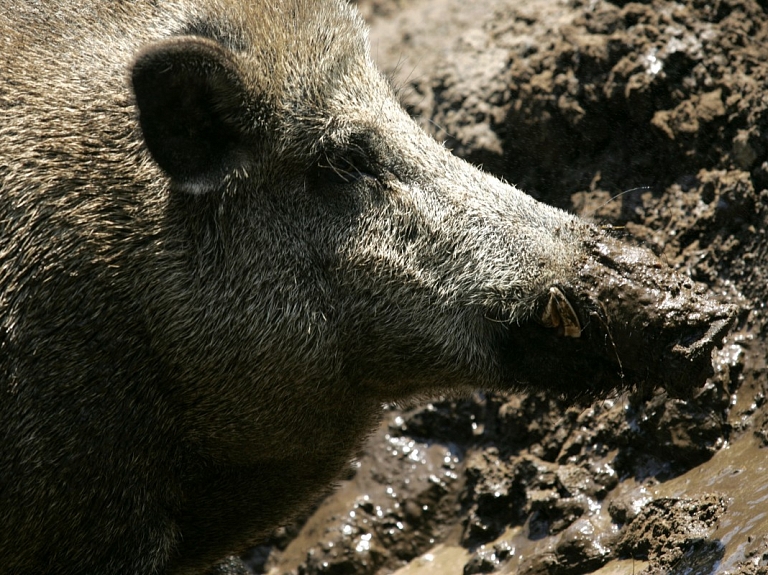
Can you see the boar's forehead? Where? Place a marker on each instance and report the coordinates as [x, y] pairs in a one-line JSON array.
[[298, 52]]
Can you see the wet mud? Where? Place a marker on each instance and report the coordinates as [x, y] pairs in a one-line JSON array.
[[648, 118]]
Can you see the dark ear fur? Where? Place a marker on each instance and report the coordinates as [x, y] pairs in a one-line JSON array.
[[192, 110]]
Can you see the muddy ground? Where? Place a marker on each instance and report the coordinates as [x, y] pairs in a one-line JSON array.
[[649, 118]]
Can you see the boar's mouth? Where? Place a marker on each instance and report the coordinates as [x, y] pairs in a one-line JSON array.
[[626, 321]]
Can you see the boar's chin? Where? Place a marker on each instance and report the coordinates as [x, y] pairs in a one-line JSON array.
[[626, 321], [535, 357]]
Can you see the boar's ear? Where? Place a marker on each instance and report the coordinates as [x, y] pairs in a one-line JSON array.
[[192, 104]]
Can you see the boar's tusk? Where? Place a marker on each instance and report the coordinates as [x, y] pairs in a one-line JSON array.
[[559, 313]]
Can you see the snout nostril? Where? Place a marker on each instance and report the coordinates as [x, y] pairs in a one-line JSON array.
[[693, 337], [704, 338], [720, 328]]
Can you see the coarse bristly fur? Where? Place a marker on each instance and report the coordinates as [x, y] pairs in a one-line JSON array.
[[223, 246]]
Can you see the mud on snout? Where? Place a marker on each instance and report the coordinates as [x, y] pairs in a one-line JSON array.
[[627, 320]]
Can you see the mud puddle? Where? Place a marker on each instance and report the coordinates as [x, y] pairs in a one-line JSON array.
[[738, 474]]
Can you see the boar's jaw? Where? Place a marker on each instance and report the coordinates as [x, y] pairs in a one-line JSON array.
[[626, 320]]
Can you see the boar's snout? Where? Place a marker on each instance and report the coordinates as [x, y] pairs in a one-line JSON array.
[[657, 328], [625, 320]]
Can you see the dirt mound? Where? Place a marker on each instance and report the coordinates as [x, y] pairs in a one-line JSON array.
[[650, 118]]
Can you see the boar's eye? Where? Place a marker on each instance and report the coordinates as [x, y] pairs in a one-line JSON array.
[[344, 167]]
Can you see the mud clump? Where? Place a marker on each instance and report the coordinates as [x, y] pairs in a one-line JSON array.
[[667, 529], [650, 119]]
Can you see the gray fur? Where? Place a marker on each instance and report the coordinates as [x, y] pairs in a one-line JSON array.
[[189, 354]]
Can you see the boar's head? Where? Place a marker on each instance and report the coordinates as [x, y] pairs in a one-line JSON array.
[[336, 246]]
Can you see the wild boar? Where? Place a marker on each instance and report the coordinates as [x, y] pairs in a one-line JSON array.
[[223, 245]]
